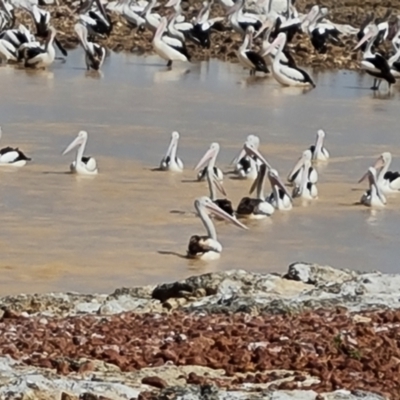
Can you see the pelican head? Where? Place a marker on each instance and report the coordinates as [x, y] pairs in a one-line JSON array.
[[305, 158], [211, 154], [373, 183], [267, 24], [371, 31], [280, 40], [78, 141], [251, 150]]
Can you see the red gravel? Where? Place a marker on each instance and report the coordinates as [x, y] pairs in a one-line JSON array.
[[330, 345]]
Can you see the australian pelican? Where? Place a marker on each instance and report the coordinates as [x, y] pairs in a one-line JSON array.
[[168, 48], [287, 75], [13, 157], [207, 247], [246, 166], [82, 165], [318, 151], [171, 162], [280, 197], [249, 58], [307, 189], [258, 207], [303, 163], [95, 18], [375, 64], [373, 197], [94, 53], [209, 158], [39, 57]]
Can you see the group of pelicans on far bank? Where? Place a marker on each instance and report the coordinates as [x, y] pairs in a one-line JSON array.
[[278, 21], [249, 164]]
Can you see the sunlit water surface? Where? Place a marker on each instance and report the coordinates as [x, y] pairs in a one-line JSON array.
[[130, 225]]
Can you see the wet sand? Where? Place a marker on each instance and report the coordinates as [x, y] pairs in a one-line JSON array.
[[130, 225]]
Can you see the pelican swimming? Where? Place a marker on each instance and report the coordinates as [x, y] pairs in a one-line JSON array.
[[13, 157], [387, 181], [38, 57], [170, 161], [318, 151], [169, 49], [306, 190], [82, 165], [95, 53], [209, 158], [258, 207], [374, 63], [246, 167], [213, 183], [280, 197], [304, 162], [287, 75], [207, 247], [373, 197]]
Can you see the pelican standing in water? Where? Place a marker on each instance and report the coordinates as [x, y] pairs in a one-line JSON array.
[[171, 162], [306, 190], [38, 57], [256, 208], [287, 75], [210, 157], [373, 197], [246, 167], [213, 183], [82, 165], [172, 51], [207, 247], [387, 181], [13, 157], [304, 162], [95, 53], [318, 151], [280, 197]]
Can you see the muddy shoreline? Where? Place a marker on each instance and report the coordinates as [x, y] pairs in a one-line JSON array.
[[315, 332], [225, 44]]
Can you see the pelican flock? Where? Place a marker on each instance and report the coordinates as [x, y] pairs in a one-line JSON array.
[[266, 31]]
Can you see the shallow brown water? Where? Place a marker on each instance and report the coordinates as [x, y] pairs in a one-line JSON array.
[[130, 225]]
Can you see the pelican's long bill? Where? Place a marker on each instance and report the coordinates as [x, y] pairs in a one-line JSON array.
[[379, 163], [76, 142], [372, 182], [210, 153], [278, 41], [372, 30], [299, 164], [172, 144], [252, 151], [260, 177], [212, 207], [215, 181], [172, 3]]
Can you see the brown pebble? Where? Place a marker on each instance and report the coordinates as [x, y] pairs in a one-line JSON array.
[[155, 381]]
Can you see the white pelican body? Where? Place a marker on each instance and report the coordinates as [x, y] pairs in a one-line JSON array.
[[304, 162], [246, 167], [94, 53], [209, 158], [7, 51], [373, 196], [207, 247], [287, 75], [306, 190], [37, 57], [170, 161], [82, 165], [257, 208], [12, 157], [168, 51], [319, 152], [240, 21]]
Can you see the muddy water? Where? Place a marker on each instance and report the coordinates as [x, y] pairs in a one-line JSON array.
[[130, 225]]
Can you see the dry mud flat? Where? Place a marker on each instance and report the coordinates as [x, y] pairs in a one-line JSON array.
[[224, 44], [314, 333]]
